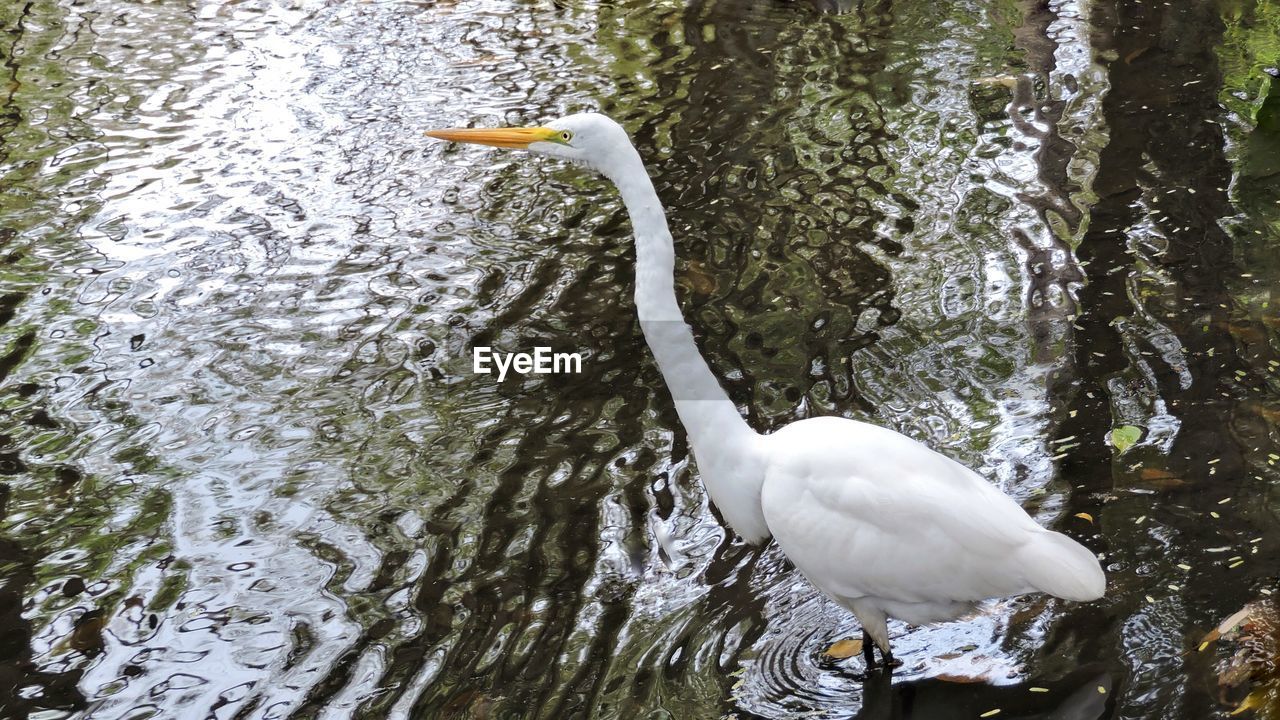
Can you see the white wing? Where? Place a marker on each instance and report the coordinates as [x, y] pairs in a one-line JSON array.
[[863, 511]]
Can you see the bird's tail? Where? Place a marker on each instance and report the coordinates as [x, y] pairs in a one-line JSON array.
[[1056, 564]]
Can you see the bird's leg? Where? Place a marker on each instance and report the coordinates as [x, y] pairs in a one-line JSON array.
[[869, 650], [886, 654]]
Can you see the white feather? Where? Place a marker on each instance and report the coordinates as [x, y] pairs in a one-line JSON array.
[[886, 526]]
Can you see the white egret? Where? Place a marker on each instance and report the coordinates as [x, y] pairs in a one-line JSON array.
[[879, 522]]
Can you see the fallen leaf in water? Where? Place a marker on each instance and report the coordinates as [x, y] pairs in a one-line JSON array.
[[1124, 437], [1135, 54], [1085, 516], [1226, 626], [86, 635], [1250, 703], [697, 278], [963, 679], [846, 648], [1229, 625], [1160, 478]]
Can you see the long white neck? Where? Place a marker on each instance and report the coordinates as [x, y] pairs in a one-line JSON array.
[[727, 450]]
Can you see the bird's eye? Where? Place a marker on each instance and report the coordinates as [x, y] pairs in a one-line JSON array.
[[566, 136]]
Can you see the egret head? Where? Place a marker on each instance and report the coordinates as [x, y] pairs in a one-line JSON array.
[[589, 139]]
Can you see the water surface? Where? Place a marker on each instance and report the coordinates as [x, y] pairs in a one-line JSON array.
[[249, 470]]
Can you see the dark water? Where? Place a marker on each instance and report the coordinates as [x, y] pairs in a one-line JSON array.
[[249, 473]]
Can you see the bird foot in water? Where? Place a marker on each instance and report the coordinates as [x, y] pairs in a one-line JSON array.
[[876, 673], [846, 648], [887, 664]]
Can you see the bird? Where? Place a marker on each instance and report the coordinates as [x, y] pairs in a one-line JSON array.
[[879, 522]]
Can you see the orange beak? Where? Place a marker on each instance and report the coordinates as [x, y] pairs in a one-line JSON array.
[[510, 138]]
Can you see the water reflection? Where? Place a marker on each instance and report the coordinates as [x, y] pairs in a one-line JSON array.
[[1082, 696], [249, 473]]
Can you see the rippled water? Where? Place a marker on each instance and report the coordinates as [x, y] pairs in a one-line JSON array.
[[250, 473]]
